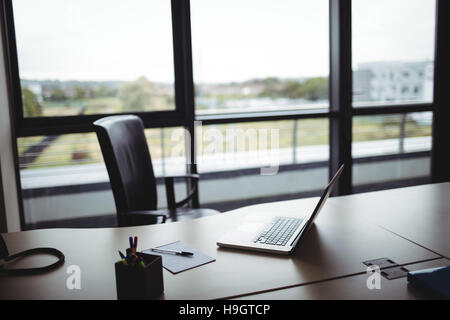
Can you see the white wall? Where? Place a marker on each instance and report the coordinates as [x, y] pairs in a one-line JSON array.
[[6, 155]]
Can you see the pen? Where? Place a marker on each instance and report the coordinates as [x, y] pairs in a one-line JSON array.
[[121, 255], [181, 253], [135, 242], [133, 260], [131, 241]]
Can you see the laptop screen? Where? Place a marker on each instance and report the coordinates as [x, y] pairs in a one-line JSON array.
[[324, 198]]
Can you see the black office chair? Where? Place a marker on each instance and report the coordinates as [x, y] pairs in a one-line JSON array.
[[127, 158]]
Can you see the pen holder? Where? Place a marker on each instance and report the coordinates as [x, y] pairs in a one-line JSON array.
[[136, 282]]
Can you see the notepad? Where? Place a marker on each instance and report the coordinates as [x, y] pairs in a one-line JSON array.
[[177, 263]]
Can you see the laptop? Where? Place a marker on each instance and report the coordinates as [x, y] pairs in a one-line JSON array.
[[275, 233]]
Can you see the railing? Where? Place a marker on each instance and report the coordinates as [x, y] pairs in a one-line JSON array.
[[51, 151], [70, 150]]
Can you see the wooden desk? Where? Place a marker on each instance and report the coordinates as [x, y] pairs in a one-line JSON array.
[[420, 214], [336, 247]]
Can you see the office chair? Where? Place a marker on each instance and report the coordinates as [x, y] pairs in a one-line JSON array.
[[127, 158]]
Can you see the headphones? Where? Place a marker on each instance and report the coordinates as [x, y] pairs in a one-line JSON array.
[[4, 255]]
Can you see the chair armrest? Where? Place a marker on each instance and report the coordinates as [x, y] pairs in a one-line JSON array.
[[192, 176], [170, 191], [138, 217]]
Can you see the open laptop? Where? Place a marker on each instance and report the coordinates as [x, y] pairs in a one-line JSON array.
[[275, 233]]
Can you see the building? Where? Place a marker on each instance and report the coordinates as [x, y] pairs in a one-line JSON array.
[[393, 82]]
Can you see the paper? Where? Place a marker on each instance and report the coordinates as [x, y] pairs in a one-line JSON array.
[[177, 263]]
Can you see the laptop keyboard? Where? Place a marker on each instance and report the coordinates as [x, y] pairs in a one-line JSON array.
[[278, 231]]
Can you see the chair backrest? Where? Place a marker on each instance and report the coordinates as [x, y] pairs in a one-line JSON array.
[[127, 158]]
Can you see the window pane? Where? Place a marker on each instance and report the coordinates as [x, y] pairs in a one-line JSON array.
[[246, 163], [391, 148], [393, 51], [65, 182], [258, 55], [91, 57]]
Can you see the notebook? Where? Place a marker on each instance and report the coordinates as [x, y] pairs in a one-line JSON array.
[[434, 282], [177, 263]]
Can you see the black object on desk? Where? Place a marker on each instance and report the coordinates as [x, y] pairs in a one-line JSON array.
[[4, 255], [434, 282], [138, 283]]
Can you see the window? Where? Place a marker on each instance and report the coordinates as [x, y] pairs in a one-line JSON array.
[[260, 144], [396, 37], [243, 63], [64, 178], [259, 67], [391, 148], [262, 160], [94, 57]]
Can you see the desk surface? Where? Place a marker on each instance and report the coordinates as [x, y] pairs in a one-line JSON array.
[[336, 247], [353, 288], [420, 214]]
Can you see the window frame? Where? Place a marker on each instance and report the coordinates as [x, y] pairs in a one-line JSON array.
[[340, 112], [30, 126]]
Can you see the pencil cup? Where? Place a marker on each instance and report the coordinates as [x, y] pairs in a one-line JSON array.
[[137, 282]]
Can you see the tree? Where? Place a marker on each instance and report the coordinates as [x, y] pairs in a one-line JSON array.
[[103, 91], [31, 105], [315, 89], [312, 89], [292, 89], [271, 87], [57, 95], [79, 92], [137, 94]]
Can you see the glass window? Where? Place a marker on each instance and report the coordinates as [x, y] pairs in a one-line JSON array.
[[94, 57], [261, 161], [390, 148], [259, 55], [65, 183], [395, 38]]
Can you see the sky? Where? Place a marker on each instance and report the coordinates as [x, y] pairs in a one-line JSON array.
[[233, 40]]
